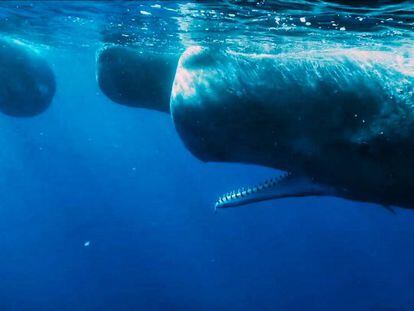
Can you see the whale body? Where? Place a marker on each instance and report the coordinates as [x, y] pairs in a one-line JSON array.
[[27, 82], [136, 79], [339, 122]]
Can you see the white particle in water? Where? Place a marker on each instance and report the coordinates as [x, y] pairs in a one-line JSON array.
[[232, 15], [87, 243], [308, 24], [156, 6], [303, 20], [144, 12], [342, 29]]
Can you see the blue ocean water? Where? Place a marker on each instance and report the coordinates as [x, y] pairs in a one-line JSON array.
[[103, 208]]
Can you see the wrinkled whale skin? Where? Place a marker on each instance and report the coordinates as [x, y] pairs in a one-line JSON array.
[[136, 79], [27, 82], [344, 119]]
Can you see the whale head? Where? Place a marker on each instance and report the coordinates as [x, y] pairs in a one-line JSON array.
[[27, 81], [135, 79], [332, 121], [217, 114]]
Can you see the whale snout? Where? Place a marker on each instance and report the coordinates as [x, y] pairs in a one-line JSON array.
[[217, 113], [136, 79], [28, 82]]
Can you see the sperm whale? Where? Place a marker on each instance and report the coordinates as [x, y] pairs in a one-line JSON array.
[[136, 79], [28, 83], [340, 122]]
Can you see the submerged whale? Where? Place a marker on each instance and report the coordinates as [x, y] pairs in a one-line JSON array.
[[136, 79], [339, 123], [28, 83]]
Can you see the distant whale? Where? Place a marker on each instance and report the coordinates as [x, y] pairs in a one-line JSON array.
[[136, 79], [27, 82], [339, 123]]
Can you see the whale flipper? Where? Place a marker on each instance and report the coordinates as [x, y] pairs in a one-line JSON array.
[[286, 186]]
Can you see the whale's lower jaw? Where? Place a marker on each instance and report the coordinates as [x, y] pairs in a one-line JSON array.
[[284, 186], [288, 185]]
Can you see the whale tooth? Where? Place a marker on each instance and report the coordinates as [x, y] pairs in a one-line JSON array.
[[246, 191]]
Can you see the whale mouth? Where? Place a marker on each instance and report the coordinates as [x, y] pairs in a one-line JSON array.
[[285, 185], [263, 191]]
